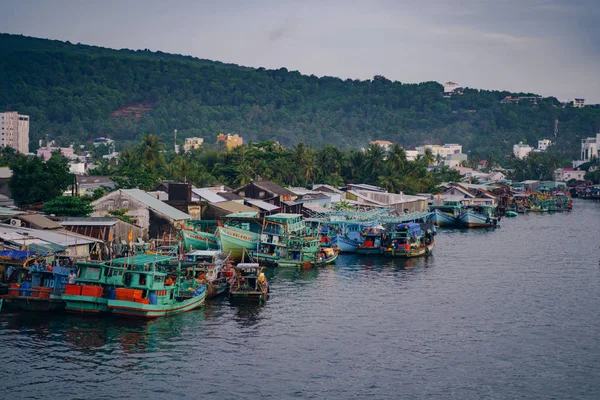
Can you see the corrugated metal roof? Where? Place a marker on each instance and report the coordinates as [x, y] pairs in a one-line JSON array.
[[156, 205], [208, 195], [143, 259], [60, 237], [91, 221], [233, 207], [39, 221], [263, 205], [9, 211]]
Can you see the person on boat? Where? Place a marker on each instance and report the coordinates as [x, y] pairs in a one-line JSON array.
[[72, 278], [169, 281]]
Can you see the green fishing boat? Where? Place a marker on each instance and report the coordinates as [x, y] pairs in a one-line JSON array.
[[240, 233], [284, 242], [199, 235], [510, 214], [148, 292], [94, 285]]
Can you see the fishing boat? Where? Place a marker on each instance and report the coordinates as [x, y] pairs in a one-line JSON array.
[[347, 237], [41, 292], [240, 233], [209, 267], [410, 240], [148, 292], [299, 252], [94, 285], [249, 283], [372, 239], [284, 242], [199, 235], [510, 214], [445, 213], [479, 216], [326, 256]]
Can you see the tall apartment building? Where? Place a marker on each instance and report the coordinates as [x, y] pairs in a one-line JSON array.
[[14, 129]]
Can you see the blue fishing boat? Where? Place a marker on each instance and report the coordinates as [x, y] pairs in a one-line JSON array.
[[347, 237], [479, 216], [445, 213]]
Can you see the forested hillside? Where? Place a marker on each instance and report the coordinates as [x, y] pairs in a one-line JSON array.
[[77, 92]]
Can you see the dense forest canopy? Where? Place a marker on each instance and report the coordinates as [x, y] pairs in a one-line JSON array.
[[75, 92]]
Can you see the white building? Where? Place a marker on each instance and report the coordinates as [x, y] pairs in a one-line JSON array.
[[454, 160], [566, 174], [451, 88], [577, 103], [521, 150], [15, 131], [443, 151], [192, 143], [590, 148], [544, 144], [411, 155]]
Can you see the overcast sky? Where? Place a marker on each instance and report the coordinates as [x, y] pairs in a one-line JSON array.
[[548, 47]]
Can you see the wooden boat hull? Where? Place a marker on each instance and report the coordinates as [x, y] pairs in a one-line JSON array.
[[441, 218], [28, 303], [77, 304], [326, 261], [469, 219], [133, 309], [410, 253], [199, 240], [511, 214], [237, 241]]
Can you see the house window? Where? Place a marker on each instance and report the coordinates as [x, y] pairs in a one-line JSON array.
[[261, 194]]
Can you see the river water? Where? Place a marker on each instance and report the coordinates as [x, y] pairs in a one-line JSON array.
[[503, 314]]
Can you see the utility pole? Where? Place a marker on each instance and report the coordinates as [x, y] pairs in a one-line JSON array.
[[175, 140], [555, 127]]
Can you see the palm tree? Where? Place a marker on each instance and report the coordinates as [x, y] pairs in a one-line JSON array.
[[151, 155], [374, 161], [397, 157]]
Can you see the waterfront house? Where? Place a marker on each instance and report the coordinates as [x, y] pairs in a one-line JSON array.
[[267, 191], [103, 228], [152, 215]]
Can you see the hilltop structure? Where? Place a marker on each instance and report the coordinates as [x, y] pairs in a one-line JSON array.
[[229, 141]]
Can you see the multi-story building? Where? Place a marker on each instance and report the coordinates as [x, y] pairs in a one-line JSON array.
[[451, 88], [443, 151], [229, 141], [577, 103], [566, 174], [544, 144], [521, 150], [590, 148], [14, 129], [192, 143]]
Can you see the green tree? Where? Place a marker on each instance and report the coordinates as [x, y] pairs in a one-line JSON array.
[[68, 206], [35, 181]]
